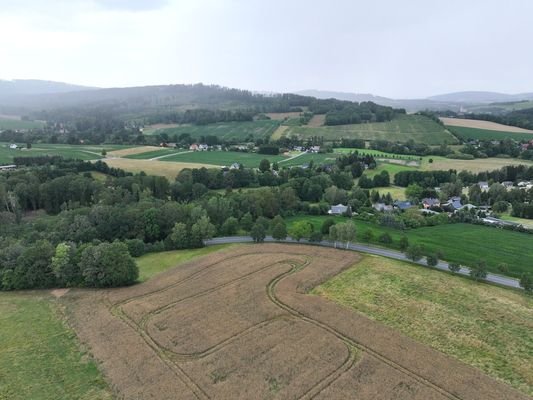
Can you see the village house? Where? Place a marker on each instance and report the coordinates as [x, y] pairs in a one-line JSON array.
[[484, 186], [339, 209], [7, 167], [453, 204], [508, 184], [430, 202], [13, 146], [314, 149], [402, 205], [382, 207]]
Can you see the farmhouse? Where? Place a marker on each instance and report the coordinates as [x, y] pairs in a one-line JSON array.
[[429, 202], [508, 184], [314, 149], [339, 209], [382, 207], [453, 203], [198, 147], [7, 167], [402, 205], [13, 146], [484, 186]]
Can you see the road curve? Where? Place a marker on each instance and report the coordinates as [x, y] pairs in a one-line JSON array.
[[363, 248]]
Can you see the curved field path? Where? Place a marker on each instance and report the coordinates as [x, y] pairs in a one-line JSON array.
[[240, 324]]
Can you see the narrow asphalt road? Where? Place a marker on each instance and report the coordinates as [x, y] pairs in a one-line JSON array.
[[363, 248]]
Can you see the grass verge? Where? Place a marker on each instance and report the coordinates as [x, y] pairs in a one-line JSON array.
[[40, 358], [155, 263], [487, 327]]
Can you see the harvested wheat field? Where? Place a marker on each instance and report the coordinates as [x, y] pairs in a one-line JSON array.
[[240, 324], [132, 150], [474, 123], [168, 169]]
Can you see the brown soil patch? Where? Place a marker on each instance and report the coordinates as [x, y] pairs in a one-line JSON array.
[[57, 293], [131, 151], [317, 120], [282, 116], [240, 324], [488, 125]]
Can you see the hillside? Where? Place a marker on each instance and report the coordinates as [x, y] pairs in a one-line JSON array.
[[419, 128], [23, 87], [480, 97]]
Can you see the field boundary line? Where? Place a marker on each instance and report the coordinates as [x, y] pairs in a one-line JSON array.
[[347, 340], [169, 155]]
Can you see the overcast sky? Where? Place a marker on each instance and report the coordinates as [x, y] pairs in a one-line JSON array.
[[401, 49]]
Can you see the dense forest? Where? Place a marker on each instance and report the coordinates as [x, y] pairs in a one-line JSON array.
[[520, 118], [93, 227], [115, 115]]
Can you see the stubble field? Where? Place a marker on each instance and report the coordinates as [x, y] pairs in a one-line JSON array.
[[241, 324]]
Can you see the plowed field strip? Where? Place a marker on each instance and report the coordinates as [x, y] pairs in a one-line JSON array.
[[186, 379], [270, 291]]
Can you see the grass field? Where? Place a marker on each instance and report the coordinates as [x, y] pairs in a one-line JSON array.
[[237, 131], [487, 327], [40, 358], [155, 263], [466, 133], [403, 128], [462, 243], [474, 166], [81, 152], [17, 124]]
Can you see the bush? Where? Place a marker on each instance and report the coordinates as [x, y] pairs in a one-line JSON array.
[[454, 267], [315, 237], [479, 271], [526, 282], [367, 235], [404, 243], [135, 247], [385, 238], [108, 265], [415, 252], [432, 260], [326, 225]]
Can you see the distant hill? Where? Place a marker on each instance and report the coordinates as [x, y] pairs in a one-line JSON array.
[[411, 105], [481, 97], [450, 101], [19, 87], [324, 94]]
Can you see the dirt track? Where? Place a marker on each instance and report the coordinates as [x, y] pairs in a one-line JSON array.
[[240, 324]]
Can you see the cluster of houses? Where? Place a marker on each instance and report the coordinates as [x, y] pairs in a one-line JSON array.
[[528, 145], [310, 149]]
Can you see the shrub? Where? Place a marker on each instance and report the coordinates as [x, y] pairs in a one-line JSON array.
[[385, 238], [315, 237], [479, 271], [135, 247], [415, 252], [454, 267], [432, 260], [108, 265]]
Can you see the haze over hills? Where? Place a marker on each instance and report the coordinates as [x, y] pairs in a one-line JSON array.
[[18, 87], [29, 94], [448, 101]]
